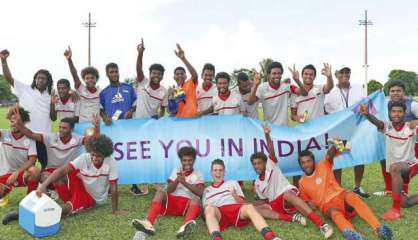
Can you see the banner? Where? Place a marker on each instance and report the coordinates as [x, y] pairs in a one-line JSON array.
[[146, 149]]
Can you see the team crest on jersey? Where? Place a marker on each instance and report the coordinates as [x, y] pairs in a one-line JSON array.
[[318, 180]]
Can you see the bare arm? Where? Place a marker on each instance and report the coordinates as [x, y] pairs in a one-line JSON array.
[[68, 54], [6, 71], [270, 145], [326, 71], [331, 153], [172, 185], [206, 112], [52, 110], [365, 112], [197, 189], [180, 53], [17, 122], [253, 97], [114, 196], [139, 72]]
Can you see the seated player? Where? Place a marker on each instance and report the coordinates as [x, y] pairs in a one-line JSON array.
[[90, 176], [225, 206], [17, 158], [400, 138], [184, 189], [274, 191], [320, 189]]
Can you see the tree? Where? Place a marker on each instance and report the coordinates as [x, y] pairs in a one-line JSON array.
[[234, 75], [264, 65], [5, 90], [131, 81], [408, 77], [373, 86]]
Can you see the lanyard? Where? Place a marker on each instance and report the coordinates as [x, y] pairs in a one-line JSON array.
[[345, 96]]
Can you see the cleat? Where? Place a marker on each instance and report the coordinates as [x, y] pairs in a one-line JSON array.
[[352, 235], [326, 230], [186, 229], [299, 218], [383, 193], [384, 232], [359, 191], [52, 194], [10, 217], [143, 226], [137, 192], [391, 215]]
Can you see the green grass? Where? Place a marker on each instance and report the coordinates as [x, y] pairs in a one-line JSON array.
[[99, 223]]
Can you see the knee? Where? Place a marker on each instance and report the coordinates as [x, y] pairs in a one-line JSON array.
[[209, 210], [34, 173], [248, 208], [395, 169], [194, 201], [159, 196]]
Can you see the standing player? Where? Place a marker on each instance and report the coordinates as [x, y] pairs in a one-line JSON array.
[[320, 189], [225, 102], [206, 90], [17, 158], [344, 95], [224, 206], [184, 189], [244, 89], [274, 191], [401, 163], [88, 91], [64, 105]]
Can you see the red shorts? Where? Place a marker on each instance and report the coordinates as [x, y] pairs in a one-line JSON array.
[[80, 198], [49, 169], [20, 182], [416, 149], [413, 170], [279, 204], [230, 216], [338, 203], [175, 205]]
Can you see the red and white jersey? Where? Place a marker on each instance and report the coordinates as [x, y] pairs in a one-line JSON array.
[[400, 144], [313, 103], [149, 100], [96, 179], [230, 105], [193, 178], [273, 184], [89, 103], [205, 96], [60, 153], [14, 151], [275, 102], [248, 110], [221, 195], [68, 108]]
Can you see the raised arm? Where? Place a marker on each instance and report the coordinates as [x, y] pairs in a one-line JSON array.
[[364, 110], [6, 71], [327, 72], [257, 81], [331, 153], [52, 110], [295, 75], [180, 53], [139, 72], [270, 144], [68, 55]]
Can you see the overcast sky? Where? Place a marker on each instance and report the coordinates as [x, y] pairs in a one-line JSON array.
[[230, 34]]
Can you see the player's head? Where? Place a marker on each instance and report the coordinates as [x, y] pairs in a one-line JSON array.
[[222, 82], [244, 83], [396, 90], [275, 72], [259, 160], [112, 72], [187, 157], [63, 88], [156, 73], [24, 116], [66, 126], [396, 111], [42, 80], [90, 75], [100, 148], [180, 75], [306, 161], [343, 75], [217, 170], [208, 72], [308, 74]]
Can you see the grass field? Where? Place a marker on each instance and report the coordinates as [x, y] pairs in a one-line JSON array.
[[99, 223]]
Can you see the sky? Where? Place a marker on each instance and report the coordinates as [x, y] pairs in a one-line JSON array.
[[230, 34]]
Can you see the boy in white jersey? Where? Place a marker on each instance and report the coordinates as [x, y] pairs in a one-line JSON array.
[[64, 105], [311, 106], [400, 138], [206, 90], [224, 206], [89, 92], [274, 191], [274, 95], [244, 89], [17, 157], [225, 102], [184, 189]]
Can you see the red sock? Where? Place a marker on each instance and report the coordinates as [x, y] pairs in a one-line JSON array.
[[153, 211], [63, 191], [396, 198], [269, 235], [32, 185], [315, 219], [387, 179], [285, 217], [217, 238], [192, 213]]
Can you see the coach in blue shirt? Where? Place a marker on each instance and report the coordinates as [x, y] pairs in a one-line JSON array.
[[118, 99]]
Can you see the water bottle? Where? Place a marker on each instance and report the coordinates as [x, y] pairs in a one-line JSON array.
[[139, 236]]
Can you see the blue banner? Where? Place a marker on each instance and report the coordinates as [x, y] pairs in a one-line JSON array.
[[146, 149]]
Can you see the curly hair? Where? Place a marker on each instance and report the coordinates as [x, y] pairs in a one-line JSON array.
[[90, 70], [187, 151], [24, 115], [102, 145], [48, 78]]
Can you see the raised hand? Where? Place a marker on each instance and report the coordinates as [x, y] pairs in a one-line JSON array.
[[266, 128], [54, 97], [68, 53], [257, 78], [295, 72], [179, 52], [364, 109], [141, 47], [326, 71], [4, 54]]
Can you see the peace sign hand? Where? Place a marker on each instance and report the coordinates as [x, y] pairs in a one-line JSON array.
[[257, 78], [295, 72], [326, 71]]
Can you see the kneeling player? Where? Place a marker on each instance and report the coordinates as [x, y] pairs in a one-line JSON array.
[[184, 189], [224, 206], [400, 138], [319, 187], [274, 191]]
